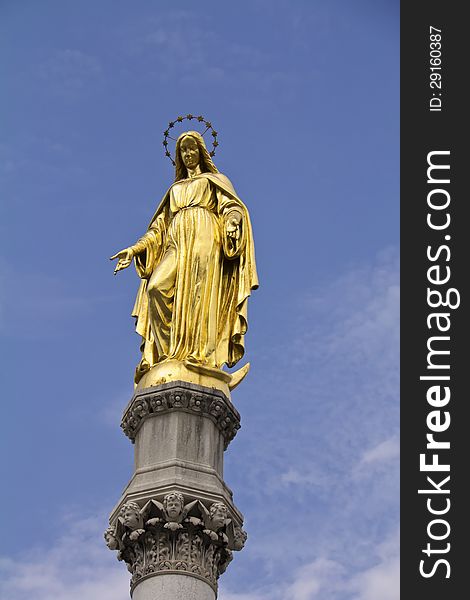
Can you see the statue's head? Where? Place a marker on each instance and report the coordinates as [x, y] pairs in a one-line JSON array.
[[218, 513], [173, 504], [240, 537], [130, 514], [110, 538], [190, 152]]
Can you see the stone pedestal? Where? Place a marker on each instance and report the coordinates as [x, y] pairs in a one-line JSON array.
[[175, 525]]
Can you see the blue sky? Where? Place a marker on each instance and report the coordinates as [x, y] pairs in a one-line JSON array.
[[305, 98]]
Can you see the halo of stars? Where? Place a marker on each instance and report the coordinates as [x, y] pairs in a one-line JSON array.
[[189, 117]]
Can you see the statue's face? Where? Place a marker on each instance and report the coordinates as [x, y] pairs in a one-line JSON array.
[[189, 152], [219, 516], [131, 518], [173, 507], [110, 539]]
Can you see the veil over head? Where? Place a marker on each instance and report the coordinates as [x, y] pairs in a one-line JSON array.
[[206, 163]]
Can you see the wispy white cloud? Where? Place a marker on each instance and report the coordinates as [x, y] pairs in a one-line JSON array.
[[382, 579], [179, 47], [314, 579], [383, 452], [77, 565], [311, 477], [327, 579], [356, 314], [69, 71], [327, 444], [74, 567], [321, 496], [226, 595], [338, 383]]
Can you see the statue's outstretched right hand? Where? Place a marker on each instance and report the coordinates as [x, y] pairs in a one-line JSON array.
[[125, 258]]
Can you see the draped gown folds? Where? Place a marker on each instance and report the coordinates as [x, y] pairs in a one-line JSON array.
[[191, 304]]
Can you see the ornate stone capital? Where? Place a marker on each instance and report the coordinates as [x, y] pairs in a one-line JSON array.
[[174, 537], [181, 396]]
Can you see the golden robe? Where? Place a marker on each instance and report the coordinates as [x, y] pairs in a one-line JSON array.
[[196, 280]]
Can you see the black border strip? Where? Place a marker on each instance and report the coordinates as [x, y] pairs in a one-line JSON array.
[[424, 131]]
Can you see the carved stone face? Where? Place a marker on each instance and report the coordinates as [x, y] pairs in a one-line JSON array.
[[239, 538], [110, 539], [219, 515], [189, 152], [173, 507], [131, 518]]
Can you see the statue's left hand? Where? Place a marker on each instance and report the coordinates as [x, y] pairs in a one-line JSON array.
[[233, 226], [125, 258]]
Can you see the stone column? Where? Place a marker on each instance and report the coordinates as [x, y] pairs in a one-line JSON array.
[[176, 525]]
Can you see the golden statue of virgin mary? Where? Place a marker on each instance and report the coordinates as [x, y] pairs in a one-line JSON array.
[[197, 268]]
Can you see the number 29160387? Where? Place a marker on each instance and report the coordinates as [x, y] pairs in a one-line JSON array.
[[435, 67]]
